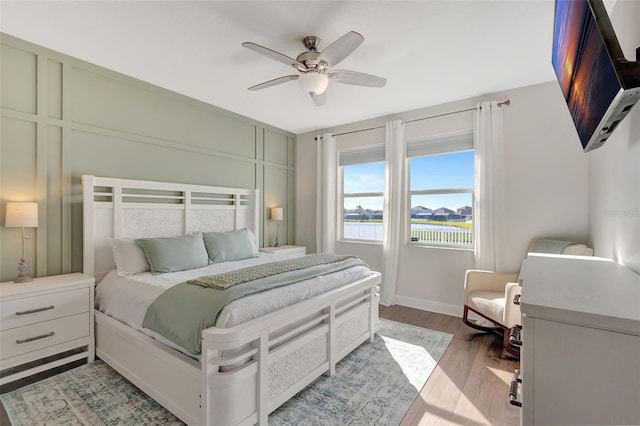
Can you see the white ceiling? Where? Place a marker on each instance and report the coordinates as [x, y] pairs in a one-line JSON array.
[[431, 52]]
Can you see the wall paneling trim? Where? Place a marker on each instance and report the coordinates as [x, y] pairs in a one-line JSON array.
[[62, 117]]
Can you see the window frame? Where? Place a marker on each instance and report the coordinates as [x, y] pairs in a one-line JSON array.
[[456, 147], [368, 155]]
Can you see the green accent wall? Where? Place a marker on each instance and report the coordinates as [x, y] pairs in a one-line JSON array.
[[62, 117]]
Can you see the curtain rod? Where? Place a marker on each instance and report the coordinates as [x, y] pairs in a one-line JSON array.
[[500, 104]]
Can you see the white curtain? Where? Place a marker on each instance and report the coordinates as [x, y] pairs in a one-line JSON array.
[[395, 150], [326, 194], [488, 211]]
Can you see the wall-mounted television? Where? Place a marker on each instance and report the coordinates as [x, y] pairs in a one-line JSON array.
[[598, 83]]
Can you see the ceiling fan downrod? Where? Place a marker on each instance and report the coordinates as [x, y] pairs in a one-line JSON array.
[[312, 43]]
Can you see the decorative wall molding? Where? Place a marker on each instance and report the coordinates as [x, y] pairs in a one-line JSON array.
[[78, 118]]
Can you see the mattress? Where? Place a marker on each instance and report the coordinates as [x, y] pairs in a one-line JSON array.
[[126, 298]]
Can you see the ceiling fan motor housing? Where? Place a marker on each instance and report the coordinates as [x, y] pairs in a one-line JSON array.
[[310, 57], [310, 61]]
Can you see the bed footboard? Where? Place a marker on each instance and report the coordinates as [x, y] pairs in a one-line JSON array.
[[250, 371]]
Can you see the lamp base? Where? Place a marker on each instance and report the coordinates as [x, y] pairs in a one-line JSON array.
[[23, 267]]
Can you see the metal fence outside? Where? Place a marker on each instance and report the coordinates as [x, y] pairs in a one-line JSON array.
[[420, 234]]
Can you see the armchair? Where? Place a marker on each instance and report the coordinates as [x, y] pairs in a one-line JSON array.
[[495, 296]]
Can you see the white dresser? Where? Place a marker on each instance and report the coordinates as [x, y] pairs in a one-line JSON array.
[[580, 357], [49, 320]]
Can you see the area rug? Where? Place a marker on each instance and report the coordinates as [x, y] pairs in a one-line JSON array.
[[375, 384]]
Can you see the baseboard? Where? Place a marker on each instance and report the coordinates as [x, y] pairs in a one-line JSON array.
[[429, 305]]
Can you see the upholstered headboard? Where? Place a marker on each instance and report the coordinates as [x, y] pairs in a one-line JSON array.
[[124, 208]]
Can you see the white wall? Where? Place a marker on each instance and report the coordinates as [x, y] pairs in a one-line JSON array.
[[545, 192], [546, 174], [614, 169]]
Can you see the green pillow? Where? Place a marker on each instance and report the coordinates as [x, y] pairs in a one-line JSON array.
[[173, 254], [226, 246]]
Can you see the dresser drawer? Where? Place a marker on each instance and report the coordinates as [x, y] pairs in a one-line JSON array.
[[21, 340], [44, 307]]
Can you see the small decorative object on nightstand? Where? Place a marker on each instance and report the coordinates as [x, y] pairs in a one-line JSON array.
[[22, 215], [277, 215], [287, 252], [49, 319]]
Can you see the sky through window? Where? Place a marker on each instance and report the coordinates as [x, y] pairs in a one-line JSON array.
[[443, 171]]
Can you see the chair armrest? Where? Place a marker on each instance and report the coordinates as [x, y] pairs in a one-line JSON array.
[[511, 310], [475, 280]]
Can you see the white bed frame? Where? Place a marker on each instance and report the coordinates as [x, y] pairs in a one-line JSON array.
[[246, 371]]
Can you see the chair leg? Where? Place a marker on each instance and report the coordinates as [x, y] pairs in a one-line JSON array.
[[505, 332], [467, 321]]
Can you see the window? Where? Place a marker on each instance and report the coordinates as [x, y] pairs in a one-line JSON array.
[[441, 186], [362, 189]]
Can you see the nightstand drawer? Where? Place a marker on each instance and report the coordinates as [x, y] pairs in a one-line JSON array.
[[31, 310], [22, 340]]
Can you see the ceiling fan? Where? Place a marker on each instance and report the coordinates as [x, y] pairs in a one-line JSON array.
[[315, 66]]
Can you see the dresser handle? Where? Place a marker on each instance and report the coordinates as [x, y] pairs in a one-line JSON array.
[[33, 311], [31, 339], [516, 299], [515, 336], [513, 389]]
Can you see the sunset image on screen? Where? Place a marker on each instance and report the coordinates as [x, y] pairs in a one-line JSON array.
[[583, 67]]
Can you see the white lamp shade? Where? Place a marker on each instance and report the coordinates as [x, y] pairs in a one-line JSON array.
[[313, 82], [277, 213], [21, 215]]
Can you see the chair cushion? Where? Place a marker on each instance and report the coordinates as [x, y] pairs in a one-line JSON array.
[[489, 303]]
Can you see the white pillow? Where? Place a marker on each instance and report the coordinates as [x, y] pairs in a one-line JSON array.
[[254, 241], [128, 256]]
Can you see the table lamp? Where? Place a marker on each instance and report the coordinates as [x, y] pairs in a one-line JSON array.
[[22, 215], [277, 214]]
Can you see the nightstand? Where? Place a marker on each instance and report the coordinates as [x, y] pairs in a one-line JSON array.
[[48, 320], [286, 252]]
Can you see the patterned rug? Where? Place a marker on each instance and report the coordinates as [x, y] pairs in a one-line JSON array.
[[375, 384]]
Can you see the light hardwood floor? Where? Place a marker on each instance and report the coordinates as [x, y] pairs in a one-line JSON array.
[[470, 384]]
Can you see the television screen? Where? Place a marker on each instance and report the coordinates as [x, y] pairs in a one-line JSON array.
[[585, 71]]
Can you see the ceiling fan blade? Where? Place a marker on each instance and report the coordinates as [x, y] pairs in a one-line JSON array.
[[320, 99], [273, 82], [276, 56], [357, 78], [341, 48]]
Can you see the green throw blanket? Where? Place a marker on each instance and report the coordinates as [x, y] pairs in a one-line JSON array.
[[182, 312]]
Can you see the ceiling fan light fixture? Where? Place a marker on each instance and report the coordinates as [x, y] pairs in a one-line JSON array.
[[313, 82], [317, 67]]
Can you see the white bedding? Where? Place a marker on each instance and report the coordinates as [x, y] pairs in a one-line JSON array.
[[127, 298]]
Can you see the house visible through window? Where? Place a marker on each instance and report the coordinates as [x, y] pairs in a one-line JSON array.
[[362, 188], [441, 186]]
